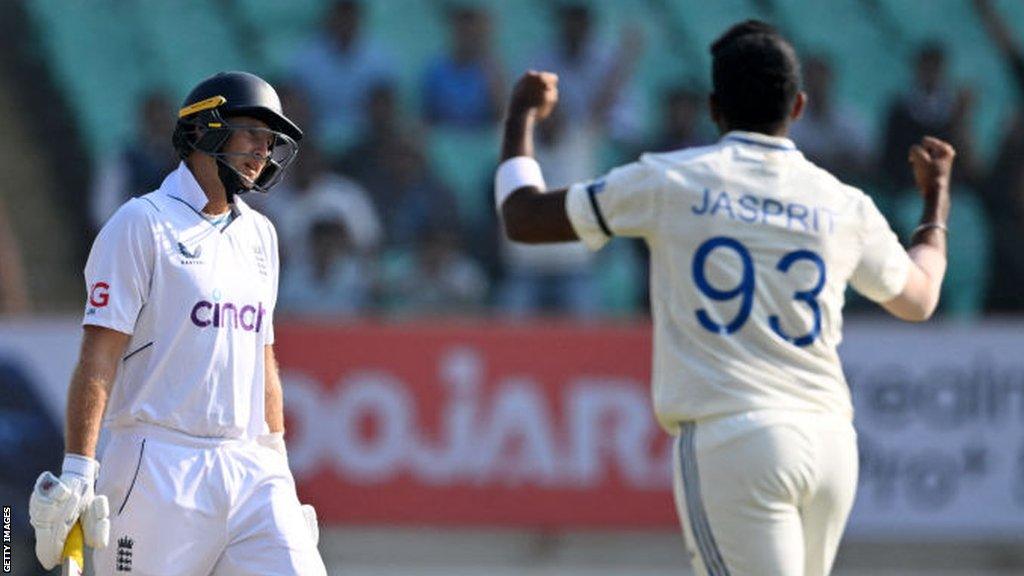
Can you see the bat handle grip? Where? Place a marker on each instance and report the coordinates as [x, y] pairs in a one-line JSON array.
[[73, 556]]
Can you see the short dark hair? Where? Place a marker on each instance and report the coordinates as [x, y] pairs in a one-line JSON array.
[[755, 76]]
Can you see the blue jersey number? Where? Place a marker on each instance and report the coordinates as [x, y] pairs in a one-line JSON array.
[[745, 289]]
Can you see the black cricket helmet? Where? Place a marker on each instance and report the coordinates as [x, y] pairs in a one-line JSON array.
[[204, 124]]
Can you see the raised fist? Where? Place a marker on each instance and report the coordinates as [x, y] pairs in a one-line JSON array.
[[535, 92], [932, 161]]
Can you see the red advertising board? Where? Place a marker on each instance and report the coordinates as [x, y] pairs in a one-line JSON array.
[[550, 425], [479, 424]]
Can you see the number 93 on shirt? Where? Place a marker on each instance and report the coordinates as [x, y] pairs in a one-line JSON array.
[[745, 289]]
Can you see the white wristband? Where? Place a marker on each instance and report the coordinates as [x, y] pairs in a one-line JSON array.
[[514, 174], [80, 465]]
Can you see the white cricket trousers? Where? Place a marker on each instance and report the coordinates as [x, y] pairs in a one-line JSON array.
[[765, 493], [187, 506]]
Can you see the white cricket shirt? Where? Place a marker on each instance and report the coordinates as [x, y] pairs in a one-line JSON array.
[[752, 247], [198, 303]]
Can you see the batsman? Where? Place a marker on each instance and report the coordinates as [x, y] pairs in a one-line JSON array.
[[177, 366]]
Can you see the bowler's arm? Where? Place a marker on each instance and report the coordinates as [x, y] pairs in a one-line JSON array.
[[530, 214], [932, 161]]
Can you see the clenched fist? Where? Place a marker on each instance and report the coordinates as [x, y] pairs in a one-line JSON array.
[[932, 161], [535, 92]]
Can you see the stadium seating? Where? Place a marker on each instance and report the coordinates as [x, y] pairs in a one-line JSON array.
[[973, 58], [106, 53], [276, 28], [150, 43], [187, 45], [92, 56]]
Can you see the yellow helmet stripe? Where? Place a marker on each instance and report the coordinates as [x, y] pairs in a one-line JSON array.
[[211, 102]]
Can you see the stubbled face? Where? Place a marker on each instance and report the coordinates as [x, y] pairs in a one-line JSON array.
[[248, 149]]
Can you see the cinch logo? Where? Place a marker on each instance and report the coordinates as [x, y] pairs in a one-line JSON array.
[[99, 294], [220, 315]]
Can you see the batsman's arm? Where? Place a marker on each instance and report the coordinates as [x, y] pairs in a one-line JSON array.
[[101, 352], [274, 409], [530, 213], [273, 397]]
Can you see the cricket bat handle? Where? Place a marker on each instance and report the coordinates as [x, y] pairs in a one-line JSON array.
[[73, 556]]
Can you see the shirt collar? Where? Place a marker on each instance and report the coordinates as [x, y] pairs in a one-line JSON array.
[[239, 206], [182, 185], [761, 140]]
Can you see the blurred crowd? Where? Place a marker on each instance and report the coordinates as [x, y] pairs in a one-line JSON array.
[[369, 225]]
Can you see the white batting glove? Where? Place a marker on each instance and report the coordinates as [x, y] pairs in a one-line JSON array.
[[57, 503], [275, 441]]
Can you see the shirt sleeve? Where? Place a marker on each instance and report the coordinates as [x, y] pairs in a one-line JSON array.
[[881, 274], [621, 203], [119, 269]]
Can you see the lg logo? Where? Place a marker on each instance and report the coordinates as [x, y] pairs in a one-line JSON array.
[[99, 294]]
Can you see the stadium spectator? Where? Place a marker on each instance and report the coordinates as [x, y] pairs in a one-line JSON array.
[[435, 277], [140, 165], [384, 131], [13, 287], [311, 192], [389, 161], [935, 107], [931, 107], [555, 278], [682, 124], [595, 76], [407, 194], [831, 134], [336, 279], [335, 68], [1003, 189], [464, 88]]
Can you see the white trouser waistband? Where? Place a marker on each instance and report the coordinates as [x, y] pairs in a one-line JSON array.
[[172, 436]]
